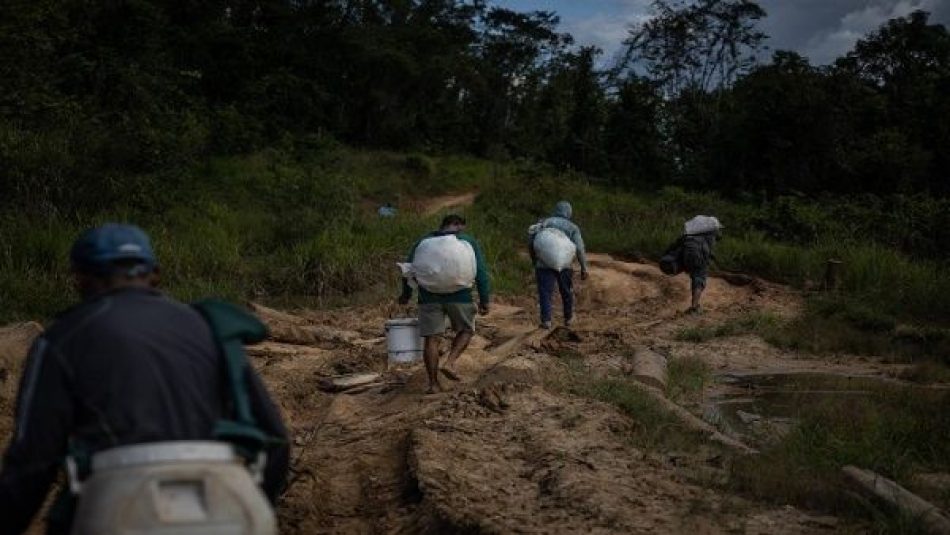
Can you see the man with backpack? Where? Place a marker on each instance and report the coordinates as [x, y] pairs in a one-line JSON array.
[[128, 377], [561, 275], [692, 252], [456, 306]]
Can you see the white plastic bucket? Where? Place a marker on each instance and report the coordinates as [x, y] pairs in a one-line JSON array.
[[403, 341], [173, 488]]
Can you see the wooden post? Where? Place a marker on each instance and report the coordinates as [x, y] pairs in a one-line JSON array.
[[832, 274]]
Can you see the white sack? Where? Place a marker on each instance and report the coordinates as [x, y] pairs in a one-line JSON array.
[[442, 265], [554, 248], [701, 224]]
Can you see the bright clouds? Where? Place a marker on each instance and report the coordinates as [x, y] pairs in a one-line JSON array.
[[827, 45], [822, 30], [604, 30]]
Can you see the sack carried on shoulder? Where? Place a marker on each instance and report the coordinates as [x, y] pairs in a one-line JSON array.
[[554, 248], [442, 265], [701, 224]]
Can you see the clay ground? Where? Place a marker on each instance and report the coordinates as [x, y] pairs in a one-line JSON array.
[[506, 450]]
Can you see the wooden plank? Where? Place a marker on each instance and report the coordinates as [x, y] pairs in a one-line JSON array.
[[346, 382]]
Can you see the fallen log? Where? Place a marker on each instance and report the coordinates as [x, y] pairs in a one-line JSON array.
[[693, 422], [649, 367], [268, 315], [908, 503], [343, 383], [284, 327]]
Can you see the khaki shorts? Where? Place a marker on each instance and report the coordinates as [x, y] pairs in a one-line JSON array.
[[432, 317]]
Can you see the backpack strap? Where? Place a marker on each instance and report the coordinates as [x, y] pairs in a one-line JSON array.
[[232, 328]]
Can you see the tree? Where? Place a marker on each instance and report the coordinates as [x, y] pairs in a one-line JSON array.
[[633, 140], [908, 61], [701, 46], [584, 147]]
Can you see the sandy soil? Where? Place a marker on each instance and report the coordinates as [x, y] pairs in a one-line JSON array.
[[439, 204], [500, 452]]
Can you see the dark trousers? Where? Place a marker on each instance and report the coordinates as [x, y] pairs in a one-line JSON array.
[[547, 279]]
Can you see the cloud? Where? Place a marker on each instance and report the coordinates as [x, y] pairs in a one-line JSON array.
[[829, 44], [819, 29], [610, 25]]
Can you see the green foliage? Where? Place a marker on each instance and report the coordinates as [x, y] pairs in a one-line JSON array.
[[849, 325], [686, 378], [893, 431], [763, 324], [420, 164], [106, 105], [300, 222]]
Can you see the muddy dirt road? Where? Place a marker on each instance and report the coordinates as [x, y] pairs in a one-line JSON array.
[[505, 450]]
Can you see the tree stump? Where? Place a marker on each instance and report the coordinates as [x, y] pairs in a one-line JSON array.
[[832, 274], [649, 367]]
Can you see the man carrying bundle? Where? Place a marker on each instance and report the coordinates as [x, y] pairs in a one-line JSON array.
[[553, 244], [692, 253], [445, 264]]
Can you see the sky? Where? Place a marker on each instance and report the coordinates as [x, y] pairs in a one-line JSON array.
[[821, 30]]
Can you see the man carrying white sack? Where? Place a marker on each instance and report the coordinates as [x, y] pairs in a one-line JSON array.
[[553, 244], [699, 239], [445, 264]]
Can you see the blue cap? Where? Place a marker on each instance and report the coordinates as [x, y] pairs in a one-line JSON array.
[[97, 248]]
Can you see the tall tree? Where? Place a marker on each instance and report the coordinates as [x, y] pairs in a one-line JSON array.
[[701, 45], [908, 61]]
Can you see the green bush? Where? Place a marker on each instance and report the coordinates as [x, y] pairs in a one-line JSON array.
[[299, 221], [893, 431], [421, 165]]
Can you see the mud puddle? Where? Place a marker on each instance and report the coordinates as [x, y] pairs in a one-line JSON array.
[[762, 408]]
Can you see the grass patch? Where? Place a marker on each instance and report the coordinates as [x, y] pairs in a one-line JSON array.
[[653, 427], [834, 324], [843, 325], [686, 378], [893, 431], [927, 373], [299, 224], [760, 323]]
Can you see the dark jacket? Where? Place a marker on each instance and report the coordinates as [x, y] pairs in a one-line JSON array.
[[127, 367], [464, 295], [698, 250]]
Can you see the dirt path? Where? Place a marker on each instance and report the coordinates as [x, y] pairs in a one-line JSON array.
[[502, 451], [438, 204]]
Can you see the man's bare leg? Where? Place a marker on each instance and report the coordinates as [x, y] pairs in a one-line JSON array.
[[459, 344], [431, 357], [697, 294]]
